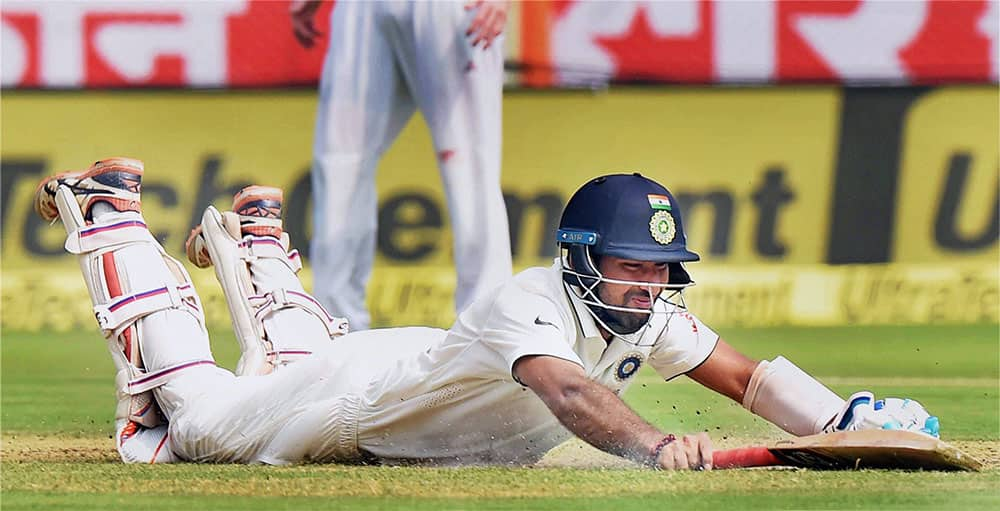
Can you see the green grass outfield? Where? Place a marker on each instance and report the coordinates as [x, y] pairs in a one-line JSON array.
[[57, 405]]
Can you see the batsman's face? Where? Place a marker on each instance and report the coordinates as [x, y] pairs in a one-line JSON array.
[[633, 296]]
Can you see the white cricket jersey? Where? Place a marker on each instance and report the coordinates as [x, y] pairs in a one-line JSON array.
[[458, 402]]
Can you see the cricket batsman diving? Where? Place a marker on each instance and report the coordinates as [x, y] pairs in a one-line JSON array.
[[544, 357]]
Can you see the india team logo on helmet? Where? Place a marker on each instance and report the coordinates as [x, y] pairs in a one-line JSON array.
[[662, 227], [627, 216]]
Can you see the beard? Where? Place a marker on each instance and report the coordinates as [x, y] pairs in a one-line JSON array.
[[620, 321]]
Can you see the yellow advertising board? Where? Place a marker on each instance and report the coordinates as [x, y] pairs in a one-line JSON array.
[[753, 169], [949, 185], [797, 295], [726, 153]]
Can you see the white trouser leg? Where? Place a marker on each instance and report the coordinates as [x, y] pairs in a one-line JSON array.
[[363, 106], [288, 416], [458, 88], [307, 412]]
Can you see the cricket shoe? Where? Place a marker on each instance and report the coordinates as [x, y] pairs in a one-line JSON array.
[[256, 212], [259, 209], [114, 181]]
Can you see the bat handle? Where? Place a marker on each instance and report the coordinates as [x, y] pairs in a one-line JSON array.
[[744, 457]]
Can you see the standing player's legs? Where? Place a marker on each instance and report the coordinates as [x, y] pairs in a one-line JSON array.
[[275, 320], [362, 107], [458, 88], [143, 299]]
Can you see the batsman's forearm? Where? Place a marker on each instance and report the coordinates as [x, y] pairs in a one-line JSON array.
[[790, 398], [600, 418]]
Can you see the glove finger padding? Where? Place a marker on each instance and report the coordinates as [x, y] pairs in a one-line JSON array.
[[906, 414], [862, 411]]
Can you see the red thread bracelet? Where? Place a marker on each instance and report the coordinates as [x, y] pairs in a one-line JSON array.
[[658, 448]]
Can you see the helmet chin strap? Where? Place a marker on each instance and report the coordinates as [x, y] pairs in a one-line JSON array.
[[631, 338], [605, 320], [612, 324]]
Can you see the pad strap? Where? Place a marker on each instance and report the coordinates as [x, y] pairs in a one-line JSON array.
[[268, 303], [256, 247], [149, 381], [124, 310], [105, 236]]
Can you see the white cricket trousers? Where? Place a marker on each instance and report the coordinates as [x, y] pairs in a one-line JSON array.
[[307, 411], [385, 60]]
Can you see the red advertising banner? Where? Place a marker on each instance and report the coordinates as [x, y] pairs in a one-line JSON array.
[[760, 41], [97, 44], [243, 43]]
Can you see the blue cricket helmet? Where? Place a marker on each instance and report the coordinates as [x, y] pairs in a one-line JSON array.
[[627, 216]]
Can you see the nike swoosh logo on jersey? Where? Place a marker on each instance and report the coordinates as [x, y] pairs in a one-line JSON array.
[[540, 321]]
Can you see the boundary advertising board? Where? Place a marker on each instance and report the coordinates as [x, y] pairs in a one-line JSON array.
[[769, 180]]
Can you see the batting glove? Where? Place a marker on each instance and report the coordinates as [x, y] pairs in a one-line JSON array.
[[862, 411]]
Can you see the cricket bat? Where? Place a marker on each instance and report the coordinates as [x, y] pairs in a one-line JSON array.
[[852, 450]]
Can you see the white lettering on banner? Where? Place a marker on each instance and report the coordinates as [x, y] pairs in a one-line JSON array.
[[573, 37], [129, 47], [989, 26], [744, 41], [60, 42], [862, 45], [100, 43], [15, 56]]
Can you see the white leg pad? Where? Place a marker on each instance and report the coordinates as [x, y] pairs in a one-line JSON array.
[[131, 280], [275, 320], [789, 398]]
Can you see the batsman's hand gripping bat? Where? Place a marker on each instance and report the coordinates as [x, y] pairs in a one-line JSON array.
[[852, 450]]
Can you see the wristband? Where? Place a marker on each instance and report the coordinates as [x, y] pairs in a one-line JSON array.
[[658, 448]]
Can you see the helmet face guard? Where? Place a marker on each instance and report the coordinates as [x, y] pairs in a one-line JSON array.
[[628, 217], [584, 280]]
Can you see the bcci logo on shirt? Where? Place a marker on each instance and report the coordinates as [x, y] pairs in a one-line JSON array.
[[627, 366]]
